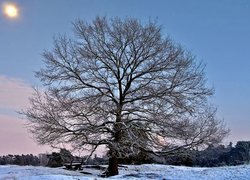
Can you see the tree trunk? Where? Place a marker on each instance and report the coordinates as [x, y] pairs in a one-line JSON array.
[[113, 166], [113, 161]]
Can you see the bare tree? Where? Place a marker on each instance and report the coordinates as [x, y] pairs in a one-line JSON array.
[[124, 85]]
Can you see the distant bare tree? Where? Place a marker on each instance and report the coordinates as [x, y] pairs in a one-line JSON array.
[[121, 84]]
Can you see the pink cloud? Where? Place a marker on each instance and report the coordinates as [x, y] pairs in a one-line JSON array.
[[14, 93], [14, 138]]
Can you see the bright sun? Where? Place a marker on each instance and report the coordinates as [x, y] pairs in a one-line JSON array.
[[10, 10]]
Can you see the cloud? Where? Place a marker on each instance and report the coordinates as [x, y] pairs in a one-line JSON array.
[[15, 139], [14, 93]]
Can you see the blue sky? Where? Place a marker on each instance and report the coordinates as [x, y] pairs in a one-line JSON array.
[[217, 32]]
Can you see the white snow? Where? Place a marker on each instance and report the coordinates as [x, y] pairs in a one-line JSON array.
[[186, 173], [147, 171], [12, 172]]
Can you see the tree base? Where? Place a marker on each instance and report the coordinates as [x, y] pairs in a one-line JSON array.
[[113, 167]]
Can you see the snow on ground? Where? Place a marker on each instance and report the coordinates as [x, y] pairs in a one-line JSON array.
[[147, 171], [12, 172], [185, 173]]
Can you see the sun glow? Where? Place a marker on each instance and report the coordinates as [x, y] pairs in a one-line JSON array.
[[10, 10]]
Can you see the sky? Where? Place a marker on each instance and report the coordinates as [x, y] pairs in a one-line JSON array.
[[216, 32]]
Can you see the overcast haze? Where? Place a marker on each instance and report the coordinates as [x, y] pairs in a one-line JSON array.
[[217, 32]]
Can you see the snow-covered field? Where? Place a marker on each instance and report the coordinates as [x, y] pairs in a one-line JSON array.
[[146, 171]]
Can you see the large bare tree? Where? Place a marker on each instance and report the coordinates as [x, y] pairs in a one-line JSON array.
[[122, 84]]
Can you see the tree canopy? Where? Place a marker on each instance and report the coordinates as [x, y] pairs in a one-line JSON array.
[[122, 84]]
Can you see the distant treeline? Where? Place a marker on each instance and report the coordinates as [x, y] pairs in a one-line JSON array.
[[22, 160], [55, 159], [213, 156]]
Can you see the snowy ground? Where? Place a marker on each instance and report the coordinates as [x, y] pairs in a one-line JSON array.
[[147, 171]]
